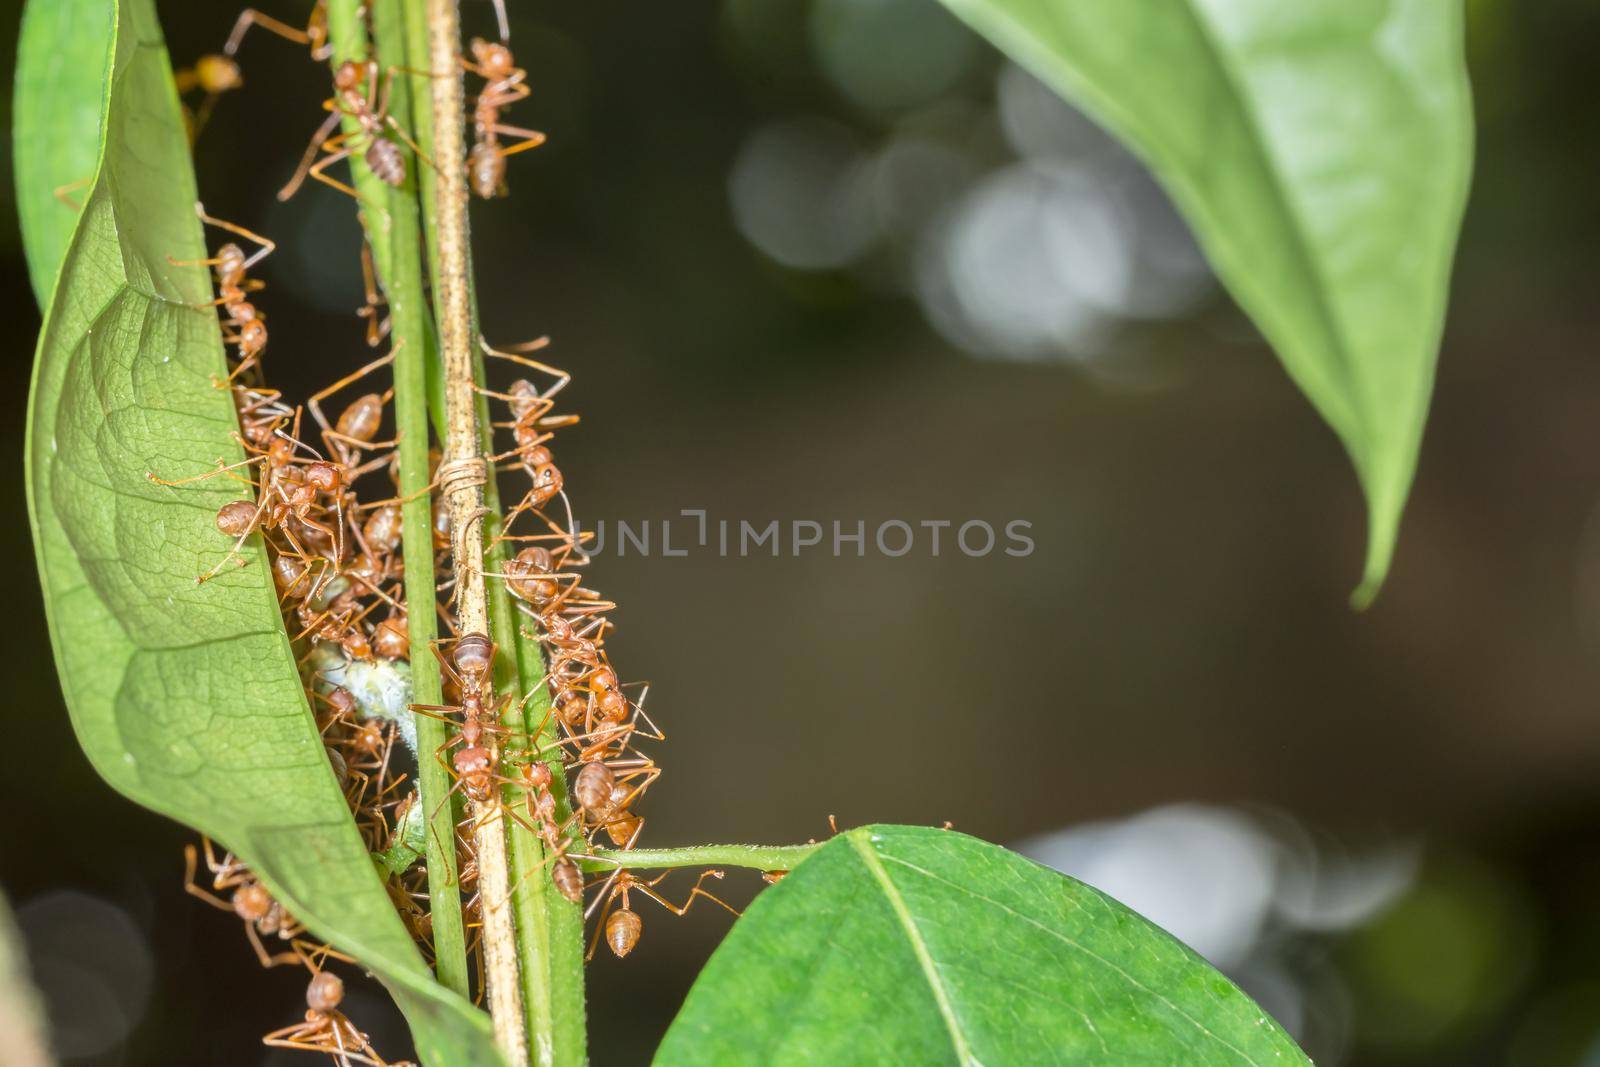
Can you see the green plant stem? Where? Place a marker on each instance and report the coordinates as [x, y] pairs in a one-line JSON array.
[[549, 926], [391, 222], [757, 857]]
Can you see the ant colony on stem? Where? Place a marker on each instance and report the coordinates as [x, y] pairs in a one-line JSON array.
[[329, 513]]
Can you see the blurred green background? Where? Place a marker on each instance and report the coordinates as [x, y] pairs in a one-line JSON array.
[[835, 260]]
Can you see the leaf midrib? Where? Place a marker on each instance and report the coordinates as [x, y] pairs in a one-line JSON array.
[[1221, 60], [941, 997], [1078, 946]]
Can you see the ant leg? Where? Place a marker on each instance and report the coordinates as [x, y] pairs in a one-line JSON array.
[[502, 93], [251, 17], [193, 888], [319, 172], [255, 524], [393, 123], [600, 927], [500, 16], [602, 895], [221, 469], [60, 192], [645, 888], [315, 401], [561, 376], [376, 330], [434, 830], [267, 245], [323, 137], [267, 960], [450, 671], [530, 139]]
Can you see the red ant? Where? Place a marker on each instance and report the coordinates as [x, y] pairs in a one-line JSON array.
[[383, 156], [620, 924], [250, 901], [504, 85], [326, 1029], [230, 265]]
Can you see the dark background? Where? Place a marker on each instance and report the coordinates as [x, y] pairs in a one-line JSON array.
[[1392, 822]]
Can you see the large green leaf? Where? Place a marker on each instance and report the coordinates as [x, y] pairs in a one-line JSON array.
[[63, 62], [899, 944], [1321, 149], [185, 697]]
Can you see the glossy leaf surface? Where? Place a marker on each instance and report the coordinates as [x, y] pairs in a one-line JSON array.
[[1321, 151], [186, 697], [897, 944]]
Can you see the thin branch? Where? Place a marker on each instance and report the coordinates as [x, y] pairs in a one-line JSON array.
[[769, 858], [549, 927], [391, 222], [463, 474]]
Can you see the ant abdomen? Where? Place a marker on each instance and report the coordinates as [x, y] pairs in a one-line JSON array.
[[622, 931], [386, 161]]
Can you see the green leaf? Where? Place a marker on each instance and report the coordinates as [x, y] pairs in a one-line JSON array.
[[1321, 150], [898, 944], [185, 697], [63, 62]]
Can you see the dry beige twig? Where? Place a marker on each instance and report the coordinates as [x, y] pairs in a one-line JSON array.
[[462, 477]]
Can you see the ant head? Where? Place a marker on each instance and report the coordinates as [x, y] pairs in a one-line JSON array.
[[603, 680], [217, 74], [493, 57], [391, 640], [612, 706], [622, 931], [280, 451], [252, 902], [252, 333], [325, 992], [356, 645], [324, 477], [339, 698], [571, 706], [473, 763], [348, 75], [537, 775], [547, 483]]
